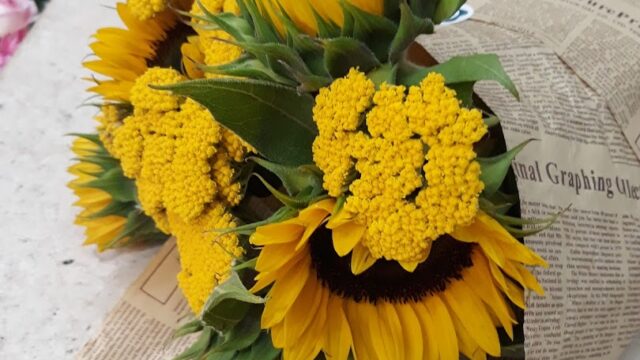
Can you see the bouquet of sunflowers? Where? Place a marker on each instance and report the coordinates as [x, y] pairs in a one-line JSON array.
[[333, 191]]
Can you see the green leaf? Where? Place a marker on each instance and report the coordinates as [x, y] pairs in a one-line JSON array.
[[410, 27], [491, 121], [375, 31], [115, 208], [464, 92], [189, 328], [392, 10], [384, 74], [465, 69], [199, 347], [265, 31], [299, 201], [513, 351], [139, 227], [274, 119], [326, 28], [244, 334], [248, 68], [228, 304], [239, 28], [495, 169], [263, 349], [342, 54], [446, 9], [115, 184], [228, 355], [249, 264], [424, 8], [294, 179], [275, 54]]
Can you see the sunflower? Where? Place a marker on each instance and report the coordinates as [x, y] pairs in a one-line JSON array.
[[125, 54], [303, 12], [451, 303], [99, 230]]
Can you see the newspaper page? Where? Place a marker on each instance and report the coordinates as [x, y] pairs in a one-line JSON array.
[[580, 95], [142, 324]]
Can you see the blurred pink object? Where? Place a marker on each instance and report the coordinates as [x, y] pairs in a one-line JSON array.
[[15, 17]]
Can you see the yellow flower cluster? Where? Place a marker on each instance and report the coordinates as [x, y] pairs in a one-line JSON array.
[[145, 9], [404, 158], [109, 119], [210, 47], [182, 161], [205, 256]]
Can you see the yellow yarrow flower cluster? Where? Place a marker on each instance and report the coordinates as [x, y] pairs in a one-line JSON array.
[[205, 256], [109, 119], [403, 157], [210, 47], [182, 161], [145, 9]]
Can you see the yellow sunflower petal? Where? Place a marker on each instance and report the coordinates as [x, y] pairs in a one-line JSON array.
[[473, 315], [273, 257], [376, 335], [338, 340], [412, 332], [467, 345], [312, 220], [361, 259], [443, 329], [346, 236], [392, 328], [302, 311], [362, 346], [265, 279], [284, 293], [311, 340], [286, 232], [481, 282]]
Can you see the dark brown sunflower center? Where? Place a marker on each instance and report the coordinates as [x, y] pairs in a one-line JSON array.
[[168, 51], [387, 279]]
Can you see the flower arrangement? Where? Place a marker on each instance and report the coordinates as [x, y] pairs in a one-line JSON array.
[[330, 194]]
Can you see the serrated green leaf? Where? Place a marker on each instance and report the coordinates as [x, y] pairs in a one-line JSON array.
[[342, 54], [265, 31], [410, 27], [274, 119], [375, 31], [228, 304], [198, 348], [239, 28], [115, 184], [294, 179], [326, 28], [445, 9], [248, 68], [495, 169], [466, 69]]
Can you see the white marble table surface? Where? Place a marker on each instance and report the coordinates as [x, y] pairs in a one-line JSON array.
[[48, 310]]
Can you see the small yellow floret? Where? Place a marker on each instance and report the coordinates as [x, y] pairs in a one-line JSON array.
[[144, 98], [410, 176], [205, 256], [110, 118], [145, 9]]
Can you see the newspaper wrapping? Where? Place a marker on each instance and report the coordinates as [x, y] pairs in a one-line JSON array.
[[576, 64]]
